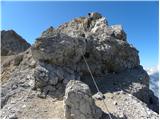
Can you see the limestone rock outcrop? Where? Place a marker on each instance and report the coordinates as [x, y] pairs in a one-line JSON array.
[[78, 102], [59, 49], [105, 47], [49, 78], [12, 43], [56, 60]]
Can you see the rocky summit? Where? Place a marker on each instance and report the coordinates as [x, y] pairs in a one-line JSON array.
[[52, 78]]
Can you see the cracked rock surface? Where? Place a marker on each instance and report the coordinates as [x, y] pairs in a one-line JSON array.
[[78, 102], [35, 80]]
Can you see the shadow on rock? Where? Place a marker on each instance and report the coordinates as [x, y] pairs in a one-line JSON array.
[[134, 81], [106, 116]]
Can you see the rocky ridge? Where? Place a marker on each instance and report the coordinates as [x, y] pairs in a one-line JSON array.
[[44, 70], [12, 43]]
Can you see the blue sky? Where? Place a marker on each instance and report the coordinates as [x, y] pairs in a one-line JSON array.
[[139, 20]]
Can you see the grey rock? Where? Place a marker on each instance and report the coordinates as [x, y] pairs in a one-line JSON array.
[[49, 88], [52, 75], [50, 30], [14, 86], [41, 76], [54, 81], [24, 106], [56, 60], [42, 95], [105, 47], [18, 59], [58, 49], [133, 108], [118, 32], [107, 51], [12, 43], [32, 64], [13, 102], [78, 102], [65, 81], [13, 116], [99, 96], [95, 15]]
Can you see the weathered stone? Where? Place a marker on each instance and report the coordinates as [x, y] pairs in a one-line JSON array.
[[12, 43], [54, 80], [59, 49], [99, 25], [32, 64], [118, 32], [99, 96], [78, 102], [48, 89], [132, 108], [14, 86], [95, 15], [42, 95], [106, 46], [18, 59], [56, 59], [41, 76], [50, 30], [13, 116]]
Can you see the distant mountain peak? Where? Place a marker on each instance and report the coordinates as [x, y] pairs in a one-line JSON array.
[[12, 43]]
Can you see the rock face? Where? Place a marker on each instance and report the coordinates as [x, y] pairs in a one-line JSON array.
[[78, 102], [59, 49], [132, 81], [17, 76], [12, 43], [104, 46], [46, 68], [49, 78]]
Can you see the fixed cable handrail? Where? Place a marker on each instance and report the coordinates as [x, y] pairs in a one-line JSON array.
[[94, 81]]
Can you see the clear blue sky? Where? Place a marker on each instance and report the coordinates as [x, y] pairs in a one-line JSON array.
[[139, 19]]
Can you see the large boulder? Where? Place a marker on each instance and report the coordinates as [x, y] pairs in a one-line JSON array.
[[12, 43], [59, 49], [78, 102]]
